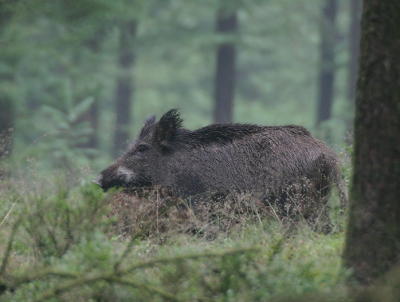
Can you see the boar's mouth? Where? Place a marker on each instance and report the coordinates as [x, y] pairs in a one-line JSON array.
[[120, 182], [104, 184]]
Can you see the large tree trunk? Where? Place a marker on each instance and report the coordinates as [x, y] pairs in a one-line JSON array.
[[225, 73], [327, 61], [123, 100], [373, 236]]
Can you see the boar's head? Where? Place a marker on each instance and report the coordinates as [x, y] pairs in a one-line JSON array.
[[144, 162]]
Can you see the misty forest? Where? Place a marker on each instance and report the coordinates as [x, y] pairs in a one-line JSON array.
[[83, 81]]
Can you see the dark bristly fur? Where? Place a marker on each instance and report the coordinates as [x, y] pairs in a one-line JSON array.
[[278, 161]]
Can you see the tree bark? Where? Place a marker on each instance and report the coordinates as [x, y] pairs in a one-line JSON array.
[[327, 64], [373, 236], [225, 73], [123, 100]]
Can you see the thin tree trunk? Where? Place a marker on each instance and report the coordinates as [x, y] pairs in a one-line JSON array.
[[6, 124], [354, 43], [92, 115], [7, 114], [373, 235], [327, 64], [225, 73], [123, 101]]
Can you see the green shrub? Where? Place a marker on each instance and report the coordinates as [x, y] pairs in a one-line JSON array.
[[60, 242]]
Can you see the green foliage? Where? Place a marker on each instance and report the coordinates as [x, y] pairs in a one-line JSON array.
[[65, 132], [54, 229], [69, 132], [58, 59], [57, 54], [59, 245]]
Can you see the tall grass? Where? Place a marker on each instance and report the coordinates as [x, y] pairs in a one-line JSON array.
[[62, 239]]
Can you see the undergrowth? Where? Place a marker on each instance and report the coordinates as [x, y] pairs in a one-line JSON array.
[[63, 239]]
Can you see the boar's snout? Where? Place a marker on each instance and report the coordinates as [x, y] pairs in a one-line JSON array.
[[115, 176], [98, 180], [104, 183]]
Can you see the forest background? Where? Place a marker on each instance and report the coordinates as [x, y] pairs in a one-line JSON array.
[[78, 78]]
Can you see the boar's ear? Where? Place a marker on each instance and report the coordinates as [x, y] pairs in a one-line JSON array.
[[150, 120], [167, 128]]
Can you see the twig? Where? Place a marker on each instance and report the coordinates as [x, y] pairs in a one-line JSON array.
[[131, 243], [137, 235], [254, 208], [112, 276], [9, 246], [127, 250], [184, 257], [12, 285], [145, 287], [7, 214], [276, 215], [68, 285]]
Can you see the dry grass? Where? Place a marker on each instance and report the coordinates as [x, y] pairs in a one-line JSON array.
[[158, 213]]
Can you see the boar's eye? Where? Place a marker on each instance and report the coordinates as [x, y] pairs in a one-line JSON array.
[[141, 148]]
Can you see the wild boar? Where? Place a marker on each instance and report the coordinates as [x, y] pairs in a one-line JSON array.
[[279, 161]]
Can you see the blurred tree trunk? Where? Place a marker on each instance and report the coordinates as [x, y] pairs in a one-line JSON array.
[[354, 43], [327, 63], [6, 123], [123, 100], [225, 73], [6, 99], [92, 115], [373, 235]]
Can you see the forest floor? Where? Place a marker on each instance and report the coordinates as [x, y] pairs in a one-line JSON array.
[[63, 239]]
